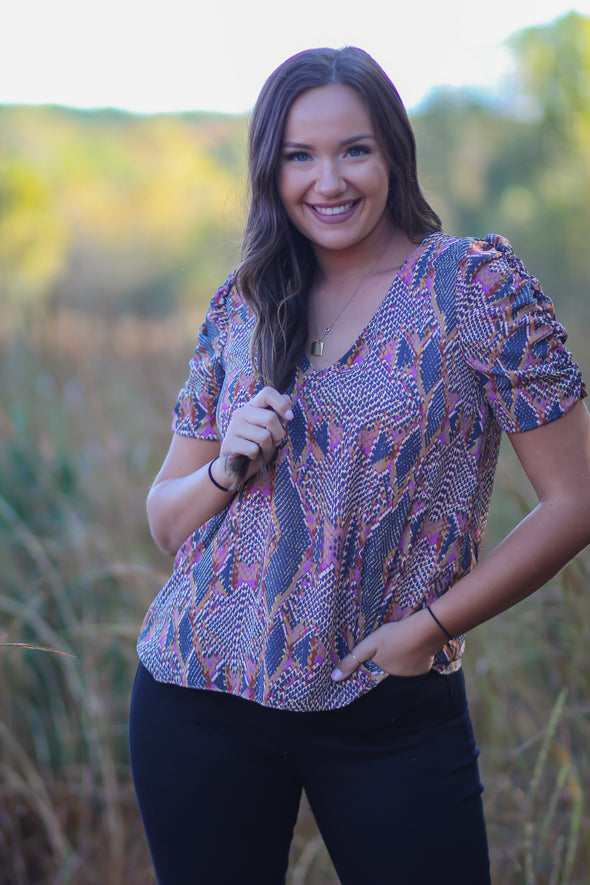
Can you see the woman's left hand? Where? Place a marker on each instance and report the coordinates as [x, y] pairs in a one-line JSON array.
[[402, 648]]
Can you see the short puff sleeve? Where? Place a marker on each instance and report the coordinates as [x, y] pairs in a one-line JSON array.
[[194, 413], [511, 339]]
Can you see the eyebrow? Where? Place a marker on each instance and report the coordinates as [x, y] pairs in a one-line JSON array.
[[343, 143]]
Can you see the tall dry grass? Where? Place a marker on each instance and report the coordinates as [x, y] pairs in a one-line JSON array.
[[83, 427]]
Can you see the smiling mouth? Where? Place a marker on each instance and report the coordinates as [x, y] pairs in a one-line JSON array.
[[328, 211]]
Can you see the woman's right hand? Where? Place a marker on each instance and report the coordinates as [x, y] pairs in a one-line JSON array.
[[254, 432], [183, 497]]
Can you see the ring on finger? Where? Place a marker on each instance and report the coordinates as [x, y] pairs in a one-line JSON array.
[[352, 654]]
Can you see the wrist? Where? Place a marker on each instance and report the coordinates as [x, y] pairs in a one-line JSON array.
[[219, 478], [439, 623], [432, 638]]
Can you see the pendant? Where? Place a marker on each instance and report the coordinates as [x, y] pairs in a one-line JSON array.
[[317, 347]]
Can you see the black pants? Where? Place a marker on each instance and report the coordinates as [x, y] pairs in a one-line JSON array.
[[392, 781]]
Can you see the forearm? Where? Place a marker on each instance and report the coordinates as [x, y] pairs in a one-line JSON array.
[[178, 506], [527, 558]]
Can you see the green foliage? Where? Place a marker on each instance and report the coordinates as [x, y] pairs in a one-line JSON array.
[[553, 67], [115, 213], [522, 168]]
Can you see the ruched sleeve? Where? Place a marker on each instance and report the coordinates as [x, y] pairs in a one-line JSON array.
[[511, 339], [194, 413]]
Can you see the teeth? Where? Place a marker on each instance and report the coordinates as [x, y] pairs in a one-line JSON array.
[[333, 210]]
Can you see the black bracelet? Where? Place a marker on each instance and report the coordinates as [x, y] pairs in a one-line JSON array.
[[212, 478], [444, 629]]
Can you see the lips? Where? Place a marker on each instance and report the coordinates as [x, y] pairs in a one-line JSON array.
[[334, 210], [334, 214]]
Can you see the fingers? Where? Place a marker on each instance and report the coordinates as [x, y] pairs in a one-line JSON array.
[[255, 430], [400, 648], [280, 403], [363, 652], [266, 418], [264, 426]]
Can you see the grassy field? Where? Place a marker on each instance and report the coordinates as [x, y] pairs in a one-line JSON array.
[[83, 428]]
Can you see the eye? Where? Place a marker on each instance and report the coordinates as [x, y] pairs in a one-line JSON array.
[[297, 156], [358, 150]]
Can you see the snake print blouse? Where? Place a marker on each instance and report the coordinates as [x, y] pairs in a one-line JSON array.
[[377, 499]]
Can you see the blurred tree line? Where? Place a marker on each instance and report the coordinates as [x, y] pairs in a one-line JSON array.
[[521, 166], [116, 213]]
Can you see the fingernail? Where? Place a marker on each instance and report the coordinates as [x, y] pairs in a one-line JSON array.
[[337, 675], [288, 414]]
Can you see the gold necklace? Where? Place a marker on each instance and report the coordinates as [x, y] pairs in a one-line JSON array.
[[317, 344]]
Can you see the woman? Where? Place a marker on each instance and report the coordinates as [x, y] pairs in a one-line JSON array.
[[325, 495]]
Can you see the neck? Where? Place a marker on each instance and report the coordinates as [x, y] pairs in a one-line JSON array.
[[333, 263]]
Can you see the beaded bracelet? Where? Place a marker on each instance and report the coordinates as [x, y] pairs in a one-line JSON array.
[[444, 629], [212, 478]]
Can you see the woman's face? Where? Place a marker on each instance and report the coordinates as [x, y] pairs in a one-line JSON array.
[[333, 179]]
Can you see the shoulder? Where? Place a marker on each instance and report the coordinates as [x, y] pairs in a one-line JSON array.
[[469, 252], [445, 258], [483, 270], [446, 267], [490, 246], [490, 258], [226, 296], [227, 306]]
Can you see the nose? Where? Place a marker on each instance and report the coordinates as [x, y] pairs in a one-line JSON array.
[[329, 181]]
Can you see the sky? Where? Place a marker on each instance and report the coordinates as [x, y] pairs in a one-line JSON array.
[[147, 56]]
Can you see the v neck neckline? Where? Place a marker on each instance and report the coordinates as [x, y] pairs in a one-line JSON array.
[[306, 364]]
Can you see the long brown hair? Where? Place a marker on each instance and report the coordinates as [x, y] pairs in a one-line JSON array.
[[278, 264]]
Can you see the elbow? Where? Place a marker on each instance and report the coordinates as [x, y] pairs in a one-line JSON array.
[[580, 499], [160, 528], [583, 523], [574, 518], [165, 544], [163, 538], [585, 530]]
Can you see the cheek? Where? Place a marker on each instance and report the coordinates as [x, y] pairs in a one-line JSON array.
[[379, 176], [381, 183], [290, 193], [379, 193], [285, 184]]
